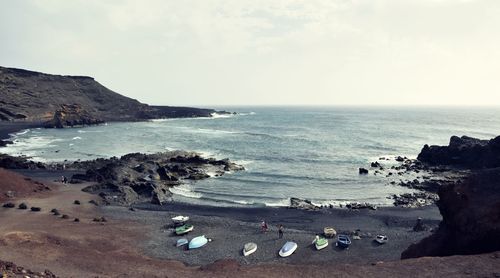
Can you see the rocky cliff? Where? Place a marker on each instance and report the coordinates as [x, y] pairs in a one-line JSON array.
[[58, 101], [470, 208], [464, 151]]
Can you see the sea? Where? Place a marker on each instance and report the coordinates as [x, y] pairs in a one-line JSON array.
[[306, 152]]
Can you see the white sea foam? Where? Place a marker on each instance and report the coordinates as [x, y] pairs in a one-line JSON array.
[[23, 132], [278, 203], [77, 138], [217, 115], [213, 131], [185, 191]]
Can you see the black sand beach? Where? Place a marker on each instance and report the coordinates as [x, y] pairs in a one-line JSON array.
[[231, 228]]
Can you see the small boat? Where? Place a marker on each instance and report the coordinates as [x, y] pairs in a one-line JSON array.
[[180, 219], [181, 242], [184, 229], [198, 242], [249, 248], [288, 249], [381, 239], [329, 232], [320, 242], [343, 241]]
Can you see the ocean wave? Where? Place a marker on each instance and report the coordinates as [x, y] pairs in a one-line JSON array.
[[77, 138], [224, 115], [22, 132]]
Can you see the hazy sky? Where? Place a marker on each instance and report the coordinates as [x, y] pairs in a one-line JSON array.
[[223, 52]]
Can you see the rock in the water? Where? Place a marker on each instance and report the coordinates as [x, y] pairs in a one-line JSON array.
[[36, 209], [23, 206], [298, 203], [363, 171], [9, 205]]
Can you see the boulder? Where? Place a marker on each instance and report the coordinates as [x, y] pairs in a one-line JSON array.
[[304, 204], [36, 209], [363, 171], [9, 205], [22, 206]]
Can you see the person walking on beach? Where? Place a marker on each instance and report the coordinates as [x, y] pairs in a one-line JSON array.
[[263, 226], [280, 231]]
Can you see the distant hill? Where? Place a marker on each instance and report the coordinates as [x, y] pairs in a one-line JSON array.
[[60, 100]]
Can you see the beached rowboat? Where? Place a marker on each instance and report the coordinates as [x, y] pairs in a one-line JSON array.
[[343, 241], [320, 243], [181, 242], [329, 232], [381, 239], [180, 219], [288, 249], [198, 242], [184, 229], [249, 248]]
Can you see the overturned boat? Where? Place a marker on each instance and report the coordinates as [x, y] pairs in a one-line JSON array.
[[249, 248], [288, 249], [184, 229], [198, 242]]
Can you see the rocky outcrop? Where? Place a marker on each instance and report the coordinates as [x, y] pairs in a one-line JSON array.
[[70, 116], [59, 101], [304, 204], [9, 269], [137, 177], [464, 151], [471, 218]]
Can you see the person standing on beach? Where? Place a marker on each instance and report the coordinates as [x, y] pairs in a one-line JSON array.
[[263, 226], [280, 231]]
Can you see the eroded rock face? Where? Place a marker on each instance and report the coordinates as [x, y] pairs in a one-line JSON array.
[[69, 115], [464, 151], [137, 177], [61, 100], [471, 218]]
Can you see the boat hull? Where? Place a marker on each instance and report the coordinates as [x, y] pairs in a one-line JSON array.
[[249, 249], [197, 242], [288, 249]]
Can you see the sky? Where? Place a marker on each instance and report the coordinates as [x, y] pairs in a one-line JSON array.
[[265, 52]]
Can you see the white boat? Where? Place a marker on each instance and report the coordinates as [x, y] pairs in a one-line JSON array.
[[381, 239], [180, 219], [249, 248], [198, 242], [288, 249]]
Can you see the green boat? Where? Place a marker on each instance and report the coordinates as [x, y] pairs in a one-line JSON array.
[[184, 229], [320, 242]]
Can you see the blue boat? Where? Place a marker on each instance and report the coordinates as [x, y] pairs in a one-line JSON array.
[[181, 242], [343, 241], [198, 242]]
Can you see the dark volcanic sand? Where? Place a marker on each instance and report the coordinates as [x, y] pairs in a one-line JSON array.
[[231, 228]]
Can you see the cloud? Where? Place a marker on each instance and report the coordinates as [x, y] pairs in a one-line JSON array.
[[283, 51]]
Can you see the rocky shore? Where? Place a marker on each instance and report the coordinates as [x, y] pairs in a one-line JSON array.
[[136, 177], [470, 208]]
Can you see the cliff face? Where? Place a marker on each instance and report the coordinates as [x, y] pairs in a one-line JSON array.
[[471, 208], [57, 101], [464, 151]]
